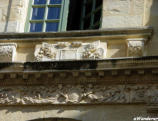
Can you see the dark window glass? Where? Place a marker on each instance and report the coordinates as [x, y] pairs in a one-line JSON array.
[[97, 16], [51, 27], [87, 22], [74, 17], [98, 3], [38, 13], [53, 13], [36, 27], [55, 1], [88, 7], [36, 2]]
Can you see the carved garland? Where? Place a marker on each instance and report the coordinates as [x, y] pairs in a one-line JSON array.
[[78, 94], [74, 50]]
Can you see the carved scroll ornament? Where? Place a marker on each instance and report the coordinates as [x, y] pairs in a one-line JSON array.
[[79, 94]]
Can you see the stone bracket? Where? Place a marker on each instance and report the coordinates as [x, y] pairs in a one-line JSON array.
[[135, 47], [7, 52]]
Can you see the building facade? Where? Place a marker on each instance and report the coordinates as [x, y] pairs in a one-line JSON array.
[[83, 60]]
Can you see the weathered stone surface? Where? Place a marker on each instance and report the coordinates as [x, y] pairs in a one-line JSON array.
[[122, 21], [13, 15], [67, 50], [117, 7], [78, 94], [123, 13], [7, 52], [138, 7], [135, 47]]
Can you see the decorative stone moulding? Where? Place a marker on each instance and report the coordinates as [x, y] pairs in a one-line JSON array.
[[78, 94], [70, 50], [135, 47], [152, 110], [7, 52]]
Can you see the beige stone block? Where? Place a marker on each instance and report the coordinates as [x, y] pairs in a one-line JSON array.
[[4, 3], [122, 21], [2, 26], [18, 3], [1, 15], [13, 26], [138, 7], [4, 14], [68, 54], [116, 7], [16, 14], [116, 50]]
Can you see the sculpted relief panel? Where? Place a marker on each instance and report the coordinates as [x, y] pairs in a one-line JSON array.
[[135, 47], [7, 52], [70, 50], [78, 94]]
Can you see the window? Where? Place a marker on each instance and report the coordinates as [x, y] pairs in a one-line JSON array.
[[91, 14], [47, 15], [85, 14], [52, 15]]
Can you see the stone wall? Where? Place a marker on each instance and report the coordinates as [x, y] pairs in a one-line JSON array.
[[116, 13], [151, 18], [12, 15], [83, 113], [123, 13]]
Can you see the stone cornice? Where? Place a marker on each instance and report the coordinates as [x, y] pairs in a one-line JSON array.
[[111, 71], [124, 33]]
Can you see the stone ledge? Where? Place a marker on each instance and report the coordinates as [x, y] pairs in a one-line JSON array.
[[112, 71], [101, 32], [87, 64], [49, 46]]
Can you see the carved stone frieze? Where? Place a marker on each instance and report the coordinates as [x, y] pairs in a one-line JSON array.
[[92, 52], [45, 52], [7, 52], [135, 47], [67, 50], [78, 94]]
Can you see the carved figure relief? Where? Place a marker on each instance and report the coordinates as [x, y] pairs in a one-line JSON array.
[[135, 48], [78, 94], [73, 50], [7, 52]]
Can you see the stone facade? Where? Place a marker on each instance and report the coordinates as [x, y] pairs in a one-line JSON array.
[[13, 15]]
